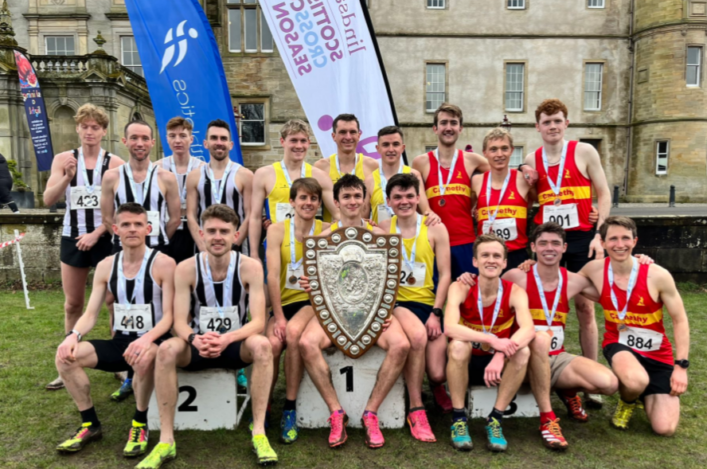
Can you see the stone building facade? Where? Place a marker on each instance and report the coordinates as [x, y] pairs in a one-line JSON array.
[[630, 72]]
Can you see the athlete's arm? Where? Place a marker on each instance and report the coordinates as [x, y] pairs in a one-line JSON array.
[[526, 330], [252, 273], [174, 204], [184, 280], [275, 235], [452, 329], [107, 204], [246, 179], [255, 215], [516, 276], [327, 193], [421, 164], [193, 208], [475, 188], [596, 174], [579, 284], [475, 163], [322, 164], [64, 168], [443, 258]]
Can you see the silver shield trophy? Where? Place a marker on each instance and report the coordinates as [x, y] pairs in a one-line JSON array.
[[354, 275]]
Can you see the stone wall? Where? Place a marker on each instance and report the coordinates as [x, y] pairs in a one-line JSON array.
[[40, 248]]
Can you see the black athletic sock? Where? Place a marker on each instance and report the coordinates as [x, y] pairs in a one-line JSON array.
[[131, 373], [496, 414], [415, 409], [290, 404], [89, 416], [458, 415], [140, 416]]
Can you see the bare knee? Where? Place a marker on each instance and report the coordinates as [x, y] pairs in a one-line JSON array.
[[418, 339], [458, 351], [63, 367], [261, 348], [436, 375], [167, 353], [275, 345], [73, 306], [308, 347], [540, 345], [293, 336], [521, 357], [664, 428], [636, 381], [608, 384]]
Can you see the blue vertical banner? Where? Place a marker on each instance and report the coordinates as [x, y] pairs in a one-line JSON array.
[[36, 112], [183, 68]]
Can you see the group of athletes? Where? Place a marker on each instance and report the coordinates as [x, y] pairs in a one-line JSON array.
[[175, 246]]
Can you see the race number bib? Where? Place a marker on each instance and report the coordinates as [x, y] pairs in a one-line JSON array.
[[505, 229], [383, 214], [284, 211], [82, 199], [132, 318], [211, 321], [153, 219], [641, 340], [564, 215], [294, 273], [557, 338], [417, 275]]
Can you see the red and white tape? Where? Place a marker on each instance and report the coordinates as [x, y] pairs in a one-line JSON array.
[[13, 241]]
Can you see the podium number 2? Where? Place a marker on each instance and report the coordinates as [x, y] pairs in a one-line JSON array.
[[186, 405], [348, 370]]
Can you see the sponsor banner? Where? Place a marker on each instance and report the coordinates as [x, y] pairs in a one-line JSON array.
[[330, 53], [183, 68], [36, 112]]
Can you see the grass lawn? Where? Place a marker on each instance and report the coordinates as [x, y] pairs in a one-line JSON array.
[[33, 421]]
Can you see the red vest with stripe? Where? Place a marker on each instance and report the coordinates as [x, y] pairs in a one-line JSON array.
[[513, 206], [469, 316], [536, 306]]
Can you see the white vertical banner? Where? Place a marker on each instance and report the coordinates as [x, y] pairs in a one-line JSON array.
[[331, 57]]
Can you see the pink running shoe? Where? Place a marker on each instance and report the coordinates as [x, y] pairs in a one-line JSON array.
[[420, 426], [374, 437], [338, 421], [442, 398]]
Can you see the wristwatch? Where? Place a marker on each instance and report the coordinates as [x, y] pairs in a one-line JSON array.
[[191, 338], [438, 312], [682, 363], [74, 331]]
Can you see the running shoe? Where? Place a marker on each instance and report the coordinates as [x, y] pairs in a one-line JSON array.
[[574, 407], [374, 437], [337, 435], [461, 440], [159, 455], [593, 401], [137, 440], [261, 447], [494, 435], [442, 398], [622, 414], [125, 390], [55, 385], [288, 425], [241, 379], [552, 435], [420, 426], [84, 435]]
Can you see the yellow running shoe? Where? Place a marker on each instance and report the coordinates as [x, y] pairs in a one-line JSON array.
[[84, 435], [137, 440], [261, 447], [160, 454], [622, 414]]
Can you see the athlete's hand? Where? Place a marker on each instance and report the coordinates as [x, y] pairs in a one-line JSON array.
[[432, 218], [266, 223], [678, 381], [525, 266], [136, 350], [593, 215], [371, 222], [280, 328], [304, 283], [70, 167], [467, 279], [86, 241], [201, 345], [530, 174], [217, 343], [595, 247], [387, 322], [505, 346], [644, 260], [492, 374], [65, 352], [434, 327]]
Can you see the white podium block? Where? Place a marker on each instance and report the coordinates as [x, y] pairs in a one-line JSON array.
[[353, 381], [207, 400], [482, 399]]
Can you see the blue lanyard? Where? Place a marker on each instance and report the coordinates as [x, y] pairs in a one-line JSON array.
[[556, 186], [287, 174]]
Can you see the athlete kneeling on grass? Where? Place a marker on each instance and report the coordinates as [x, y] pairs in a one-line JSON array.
[[478, 321], [141, 280], [217, 282]]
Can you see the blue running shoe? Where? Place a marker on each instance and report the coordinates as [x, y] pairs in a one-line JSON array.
[[461, 440], [288, 425], [241, 379], [494, 433], [125, 390]]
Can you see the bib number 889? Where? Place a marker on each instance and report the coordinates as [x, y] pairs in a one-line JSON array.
[[504, 234]]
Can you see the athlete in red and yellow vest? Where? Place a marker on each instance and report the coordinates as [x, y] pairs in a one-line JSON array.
[[469, 316], [511, 221], [575, 189], [536, 310], [642, 328]]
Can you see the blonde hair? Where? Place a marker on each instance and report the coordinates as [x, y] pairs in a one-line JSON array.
[[499, 133], [294, 126], [90, 112]]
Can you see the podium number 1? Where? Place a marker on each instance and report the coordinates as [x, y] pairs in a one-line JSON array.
[[348, 370]]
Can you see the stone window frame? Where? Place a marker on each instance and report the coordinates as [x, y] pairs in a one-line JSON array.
[[429, 5], [524, 91], [46, 36], [444, 63], [700, 65], [584, 83], [43, 35], [603, 5], [122, 58], [242, 6], [657, 143], [265, 101], [517, 4]]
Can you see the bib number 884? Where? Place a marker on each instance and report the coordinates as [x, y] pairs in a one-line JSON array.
[[638, 342]]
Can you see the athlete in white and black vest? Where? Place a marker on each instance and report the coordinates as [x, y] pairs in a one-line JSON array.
[[140, 181], [220, 182], [142, 282], [85, 241], [211, 293]]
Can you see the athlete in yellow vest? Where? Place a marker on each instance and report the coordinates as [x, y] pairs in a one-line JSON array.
[[390, 147], [346, 132], [290, 303], [418, 308], [349, 198]]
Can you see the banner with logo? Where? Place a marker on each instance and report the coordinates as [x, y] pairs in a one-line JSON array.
[[331, 55], [183, 68], [36, 112]]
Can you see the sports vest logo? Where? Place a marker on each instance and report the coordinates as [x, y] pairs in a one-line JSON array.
[[640, 301], [567, 174], [169, 39], [512, 196], [459, 175]]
